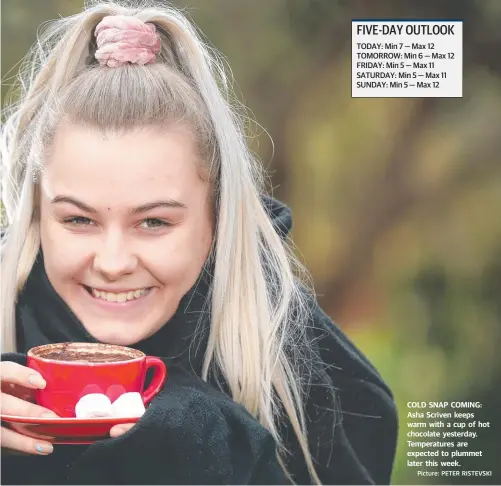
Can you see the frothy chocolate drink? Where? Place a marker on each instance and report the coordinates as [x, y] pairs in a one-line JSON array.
[[96, 357], [86, 352]]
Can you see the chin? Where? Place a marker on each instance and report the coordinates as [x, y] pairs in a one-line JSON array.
[[119, 341], [118, 335]]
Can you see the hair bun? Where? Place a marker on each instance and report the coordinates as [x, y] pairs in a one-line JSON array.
[[124, 39]]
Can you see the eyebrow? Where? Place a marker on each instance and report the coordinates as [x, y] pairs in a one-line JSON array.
[[168, 203]]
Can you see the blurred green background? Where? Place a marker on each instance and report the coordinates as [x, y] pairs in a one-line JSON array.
[[396, 201]]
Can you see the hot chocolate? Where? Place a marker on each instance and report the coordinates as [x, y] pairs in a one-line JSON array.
[[86, 357], [74, 370], [86, 353]]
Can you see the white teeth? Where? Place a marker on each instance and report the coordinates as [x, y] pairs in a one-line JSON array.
[[121, 297]]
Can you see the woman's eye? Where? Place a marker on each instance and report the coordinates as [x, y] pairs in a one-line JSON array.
[[154, 223], [79, 221]]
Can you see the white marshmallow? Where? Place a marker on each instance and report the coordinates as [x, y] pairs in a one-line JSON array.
[[128, 405], [93, 405]]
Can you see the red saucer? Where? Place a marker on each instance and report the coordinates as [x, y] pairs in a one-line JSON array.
[[66, 430]]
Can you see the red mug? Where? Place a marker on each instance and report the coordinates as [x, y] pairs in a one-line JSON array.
[[73, 370]]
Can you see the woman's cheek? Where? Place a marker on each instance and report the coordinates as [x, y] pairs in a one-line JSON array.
[[166, 269], [170, 264], [66, 250]]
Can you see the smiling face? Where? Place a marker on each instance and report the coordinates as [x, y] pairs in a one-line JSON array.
[[125, 226]]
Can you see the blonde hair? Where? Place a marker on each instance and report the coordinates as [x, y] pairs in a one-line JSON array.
[[259, 303]]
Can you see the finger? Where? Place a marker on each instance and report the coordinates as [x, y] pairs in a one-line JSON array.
[[18, 442], [28, 432], [11, 372], [118, 430], [26, 394], [15, 406]]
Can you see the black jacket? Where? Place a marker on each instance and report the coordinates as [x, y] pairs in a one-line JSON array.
[[193, 433]]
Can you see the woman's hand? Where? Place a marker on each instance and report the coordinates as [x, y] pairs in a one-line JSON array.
[[120, 429], [18, 385]]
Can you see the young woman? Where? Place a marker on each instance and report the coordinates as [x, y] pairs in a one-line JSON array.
[[136, 216]]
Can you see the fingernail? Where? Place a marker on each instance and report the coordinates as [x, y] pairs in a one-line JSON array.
[[36, 380], [44, 448]]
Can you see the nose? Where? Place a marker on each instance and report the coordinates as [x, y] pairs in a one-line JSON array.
[[113, 258]]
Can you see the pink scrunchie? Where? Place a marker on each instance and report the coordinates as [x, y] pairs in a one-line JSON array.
[[122, 39]]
